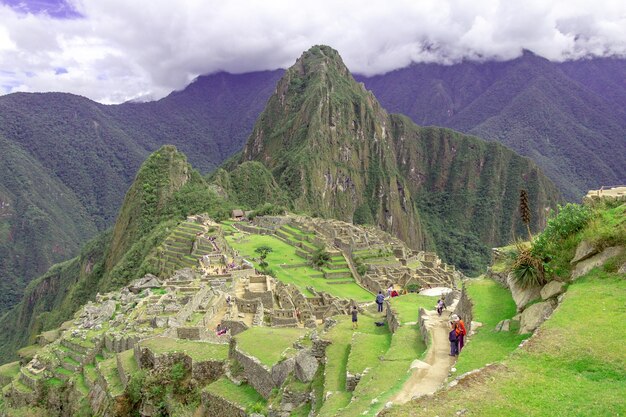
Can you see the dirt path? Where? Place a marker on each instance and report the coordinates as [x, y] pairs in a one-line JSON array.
[[429, 374]]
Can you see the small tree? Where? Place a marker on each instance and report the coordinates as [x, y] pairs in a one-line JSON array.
[[524, 210], [263, 250], [320, 258]]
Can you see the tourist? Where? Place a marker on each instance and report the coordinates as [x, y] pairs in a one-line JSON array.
[[220, 331], [380, 298], [355, 312], [389, 290], [440, 306], [454, 339], [461, 331]]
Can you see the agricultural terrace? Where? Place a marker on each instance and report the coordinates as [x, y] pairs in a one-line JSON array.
[[387, 358], [269, 344], [290, 268], [492, 303]]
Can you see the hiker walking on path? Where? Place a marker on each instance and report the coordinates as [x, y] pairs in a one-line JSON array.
[[440, 306], [461, 332], [453, 337], [380, 298], [355, 324]]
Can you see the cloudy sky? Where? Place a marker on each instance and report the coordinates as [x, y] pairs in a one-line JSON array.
[[116, 50]]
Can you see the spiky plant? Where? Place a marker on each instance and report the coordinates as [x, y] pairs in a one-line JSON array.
[[524, 210], [528, 269]]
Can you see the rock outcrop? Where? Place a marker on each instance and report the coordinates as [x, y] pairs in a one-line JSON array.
[[534, 315]]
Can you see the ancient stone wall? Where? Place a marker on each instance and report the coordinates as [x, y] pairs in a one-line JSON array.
[[421, 321], [392, 318], [207, 371], [189, 333], [257, 374], [215, 406], [464, 309]]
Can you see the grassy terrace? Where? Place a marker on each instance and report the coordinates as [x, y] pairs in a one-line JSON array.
[[108, 369], [407, 306], [388, 371], [268, 344], [366, 350], [574, 366], [243, 395], [198, 351], [8, 372], [127, 358], [492, 303], [285, 254]]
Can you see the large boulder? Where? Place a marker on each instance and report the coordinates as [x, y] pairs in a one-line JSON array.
[[522, 296], [583, 251], [281, 371], [622, 269], [306, 367], [534, 315], [599, 259], [552, 289]]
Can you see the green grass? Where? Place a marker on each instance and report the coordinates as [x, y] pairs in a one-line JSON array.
[[90, 373], [127, 358], [492, 303], [575, 366], [244, 395], [108, 369], [56, 382], [8, 372], [407, 306], [80, 384], [198, 351], [268, 344], [337, 355], [366, 351], [284, 253]]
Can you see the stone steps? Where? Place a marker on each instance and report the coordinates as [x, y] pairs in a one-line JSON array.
[[62, 351]]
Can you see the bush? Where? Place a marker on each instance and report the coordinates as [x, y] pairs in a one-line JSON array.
[[569, 219], [320, 258]]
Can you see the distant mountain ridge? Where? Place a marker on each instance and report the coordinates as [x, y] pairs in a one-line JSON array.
[[569, 117]]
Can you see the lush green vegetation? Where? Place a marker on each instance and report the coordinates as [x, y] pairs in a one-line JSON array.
[[570, 368], [387, 373], [281, 260], [282, 340], [243, 395], [492, 303], [197, 350]]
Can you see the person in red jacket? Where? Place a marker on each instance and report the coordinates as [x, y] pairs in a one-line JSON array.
[[461, 331]]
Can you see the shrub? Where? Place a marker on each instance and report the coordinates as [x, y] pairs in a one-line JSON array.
[[570, 219], [320, 258]]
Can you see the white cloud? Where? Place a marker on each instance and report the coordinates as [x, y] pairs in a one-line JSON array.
[[119, 50]]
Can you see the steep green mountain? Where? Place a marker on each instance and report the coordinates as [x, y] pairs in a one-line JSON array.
[[568, 117], [165, 191], [41, 221], [67, 161], [337, 153]]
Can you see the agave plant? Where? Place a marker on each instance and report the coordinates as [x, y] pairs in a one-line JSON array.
[[528, 269]]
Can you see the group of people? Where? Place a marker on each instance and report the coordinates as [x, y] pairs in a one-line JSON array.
[[456, 335]]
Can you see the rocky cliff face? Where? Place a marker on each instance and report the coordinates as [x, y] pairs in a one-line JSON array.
[[338, 153]]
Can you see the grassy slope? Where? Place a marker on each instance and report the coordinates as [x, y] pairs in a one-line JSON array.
[[492, 303], [268, 353], [386, 375], [284, 253], [575, 366]]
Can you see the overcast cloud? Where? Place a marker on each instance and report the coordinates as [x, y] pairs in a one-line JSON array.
[[116, 50]]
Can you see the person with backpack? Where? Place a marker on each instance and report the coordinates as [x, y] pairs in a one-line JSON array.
[[380, 299], [454, 340], [355, 319], [461, 331]]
